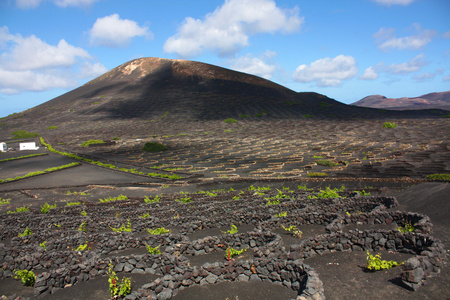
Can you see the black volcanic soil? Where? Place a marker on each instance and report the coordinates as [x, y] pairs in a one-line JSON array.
[[216, 155]]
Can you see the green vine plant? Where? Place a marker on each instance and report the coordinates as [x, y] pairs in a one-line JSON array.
[[157, 231], [327, 193], [26, 232], [83, 213], [231, 252], [374, 263], [28, 278], [123, 228], [19, 210], [4, 201], [184, 200], [83, 247], [117, 288], [233, 230], [152, 250], [144, 215], [281, 214], [72, 203], [42, 245], [273, 202], [293, 230], [154, 200], [408, 228], [111, 199], [82, 227], [46, 207]]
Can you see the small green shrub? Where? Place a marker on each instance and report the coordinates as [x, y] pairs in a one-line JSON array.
[[154, 200], [72, 203], [42, 245], [308, 116], [4, 201], [19, 210], [23, 134], [46, 207], [158, 231], [258, 115], [52, 127], [82, 227], [123, 228], [112, 199], [233, 230], [243, 116], [82, 247], [408, 228], [389, 125], [231, 252], [152, 250], [184, 200], [28, 278], [444, 177], [281, 214], [374, 263], [115, 138], [26, 232], [327, 163], [274, 202], [154, 147], [231, 120], [317, 174], [117, 288], [92, 142], [328, 193], [293, 229]]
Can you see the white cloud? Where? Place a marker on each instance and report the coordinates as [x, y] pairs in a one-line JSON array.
[[91, 70], [65, 3], [446, 35], [410, 66], [25, 4], [28, 53], [394, 2], [15, 82], [369, 74], [227, 29], [260, 66], [30, 64], [327, 71], [424, 77], [111, 31], [386, 39], [446, 78]]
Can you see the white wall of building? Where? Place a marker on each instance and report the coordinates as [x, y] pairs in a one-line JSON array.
[[28, 146]]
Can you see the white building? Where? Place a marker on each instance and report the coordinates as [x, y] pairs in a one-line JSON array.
[[28, 146], [3, 147]]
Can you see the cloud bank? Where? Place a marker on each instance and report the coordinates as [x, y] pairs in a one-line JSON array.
[[30, 64], [228, 29], [327, 71], [111, 31]]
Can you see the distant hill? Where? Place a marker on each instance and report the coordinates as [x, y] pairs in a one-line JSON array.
[[152, 91], [433, 100]]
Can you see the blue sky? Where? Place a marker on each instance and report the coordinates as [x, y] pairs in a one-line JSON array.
[[344, 49]]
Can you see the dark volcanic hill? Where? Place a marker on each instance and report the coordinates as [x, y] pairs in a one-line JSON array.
[[433, 100], [148, 89]]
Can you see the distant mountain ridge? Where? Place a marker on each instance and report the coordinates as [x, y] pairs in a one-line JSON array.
[[440, 100]]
